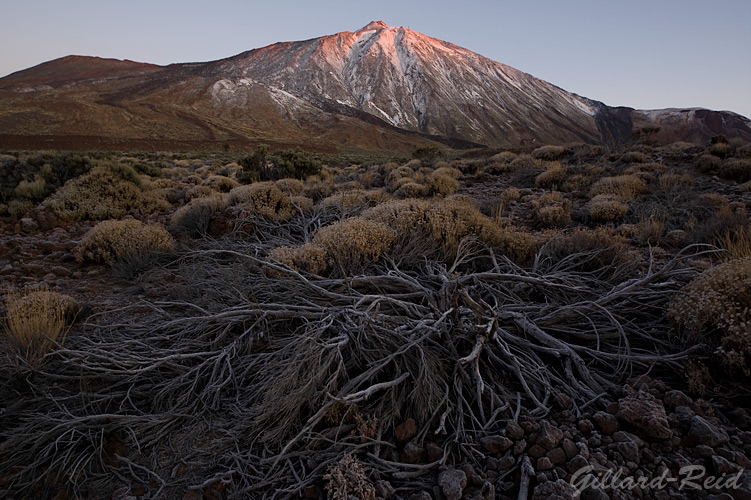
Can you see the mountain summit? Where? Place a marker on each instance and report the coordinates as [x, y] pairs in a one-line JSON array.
[[380, 87]]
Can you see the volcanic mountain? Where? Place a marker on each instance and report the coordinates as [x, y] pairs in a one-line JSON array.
[[377, 88]]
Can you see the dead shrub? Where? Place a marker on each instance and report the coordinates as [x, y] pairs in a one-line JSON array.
[[599, 251], [114, 239]]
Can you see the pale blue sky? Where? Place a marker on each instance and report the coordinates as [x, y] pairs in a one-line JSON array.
[[644, 54]]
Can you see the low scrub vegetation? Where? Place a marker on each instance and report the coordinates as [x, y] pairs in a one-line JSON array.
[[115, 239], [278, 318]]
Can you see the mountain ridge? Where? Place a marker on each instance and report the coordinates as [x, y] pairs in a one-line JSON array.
[[379, 87]]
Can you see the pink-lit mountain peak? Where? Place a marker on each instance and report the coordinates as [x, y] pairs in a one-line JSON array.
[[374, 25]]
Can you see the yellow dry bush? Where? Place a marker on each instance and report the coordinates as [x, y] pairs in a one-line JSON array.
[[548, 153], [370, 179], [36, 319], [448, 222], [552, 210], [606, 208], [100, 195], [411, 190], [290, 186], [718, 302], [398, 173], [200, 191], [403, 216], [301, 203], [265, 200], [576, 182], [175, 173], [442, 184], [354, 241], [553, 175], [347, 200], [708, 163], [309, 257], [446, 169], [554, 215], [221, 183], [510, 194], [114, 239], [627, 187]]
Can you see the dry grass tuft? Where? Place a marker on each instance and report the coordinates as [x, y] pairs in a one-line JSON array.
[[651, 228], [626, 187], [37, 320]]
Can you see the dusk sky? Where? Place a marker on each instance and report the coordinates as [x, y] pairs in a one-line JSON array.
[[643, 54]]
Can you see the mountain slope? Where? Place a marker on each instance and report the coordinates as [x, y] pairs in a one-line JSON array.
[[376, 88]]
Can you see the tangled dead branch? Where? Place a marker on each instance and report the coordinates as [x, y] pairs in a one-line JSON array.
[[252, 379]]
